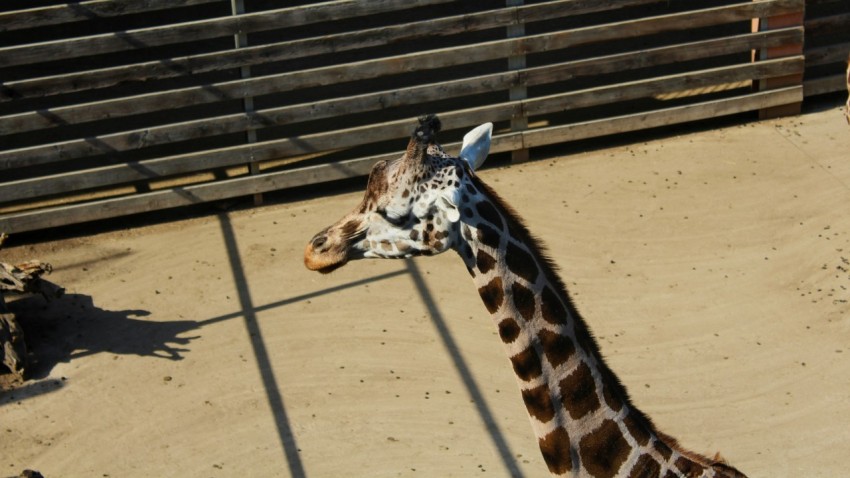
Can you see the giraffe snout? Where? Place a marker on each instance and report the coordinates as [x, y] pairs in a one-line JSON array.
[[319, 240], [320, 254]]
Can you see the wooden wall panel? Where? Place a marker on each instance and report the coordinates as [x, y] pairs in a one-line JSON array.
[[111, 108]]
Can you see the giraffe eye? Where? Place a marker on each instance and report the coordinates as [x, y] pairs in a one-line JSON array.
[[395, 221]]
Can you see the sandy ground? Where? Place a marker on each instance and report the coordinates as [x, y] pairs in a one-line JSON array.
[[714, 268]]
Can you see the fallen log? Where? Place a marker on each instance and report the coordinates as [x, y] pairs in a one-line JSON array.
[[21, 278]]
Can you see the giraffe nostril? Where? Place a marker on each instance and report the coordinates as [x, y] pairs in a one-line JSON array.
[[319, 241]]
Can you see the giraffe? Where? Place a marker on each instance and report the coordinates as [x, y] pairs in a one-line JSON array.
[[427, 202]]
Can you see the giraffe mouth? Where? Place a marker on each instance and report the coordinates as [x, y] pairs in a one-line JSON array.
[[326, 255], [327, 261], [323, 263], [330, 268]]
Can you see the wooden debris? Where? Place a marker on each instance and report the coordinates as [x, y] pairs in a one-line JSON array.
[[21, 278]]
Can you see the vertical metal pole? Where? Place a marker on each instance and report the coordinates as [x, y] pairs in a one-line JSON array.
[[519, 92], [241, 41]]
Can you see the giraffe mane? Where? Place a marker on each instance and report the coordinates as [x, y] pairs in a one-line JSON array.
[[517, 229]]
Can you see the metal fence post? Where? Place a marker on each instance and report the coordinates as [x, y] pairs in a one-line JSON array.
[[241, 41], [518, 92]]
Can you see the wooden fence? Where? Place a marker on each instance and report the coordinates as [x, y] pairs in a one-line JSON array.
[[116, 107], [827, 44]]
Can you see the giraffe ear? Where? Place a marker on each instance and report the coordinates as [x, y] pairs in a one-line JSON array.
[[476, 145], [450, 208]]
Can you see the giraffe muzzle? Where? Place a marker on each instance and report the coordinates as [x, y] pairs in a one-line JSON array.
[[325, 254], [318, 257]]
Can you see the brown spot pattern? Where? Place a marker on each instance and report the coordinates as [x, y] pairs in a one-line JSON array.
[[521, 263], [722, 470], [523, 300], [538, 401], [663, 449], [467, 233], [614, 402], [467, 251], [349, 229], [646, 467], [492, 294], [551, 308], [488, 236], [508, 330], [377, 183], [558, 348], [578, 392], [688, 467], [556, 451], [637, 428], [527, 364], [488, 212], [604, 450], [485, 262]]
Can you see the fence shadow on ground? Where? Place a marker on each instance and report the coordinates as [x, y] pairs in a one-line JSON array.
[[73, 327], [274, 392], [249, 316], [452, 349]]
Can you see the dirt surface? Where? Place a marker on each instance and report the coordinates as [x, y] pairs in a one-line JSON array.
[[713, 267]]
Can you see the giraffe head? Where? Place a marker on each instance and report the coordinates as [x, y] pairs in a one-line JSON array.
[[410, 206]]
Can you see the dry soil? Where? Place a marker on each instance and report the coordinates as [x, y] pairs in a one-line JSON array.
[[712, 266]]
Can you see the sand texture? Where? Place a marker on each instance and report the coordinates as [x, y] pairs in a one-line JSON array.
[[713, 268]]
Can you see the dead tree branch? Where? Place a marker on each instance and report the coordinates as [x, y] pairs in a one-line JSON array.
[[21, 278]]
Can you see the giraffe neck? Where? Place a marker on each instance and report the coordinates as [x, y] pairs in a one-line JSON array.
[[580, 413]]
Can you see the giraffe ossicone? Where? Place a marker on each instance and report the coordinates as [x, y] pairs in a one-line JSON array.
[[427, 202]]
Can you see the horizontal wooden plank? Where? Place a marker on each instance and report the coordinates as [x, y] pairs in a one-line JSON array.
[[135, 139], [200, 30], [63, 215], [824, 85], [261, 151], [85, 10], [811, 3], [835, 53], [663, 117], [432, 59], [238, 89], [157, 168], [254, 55], [200, 193], [205, 127], [665, 84], [828, 24], [651, 57], [551, 10]]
